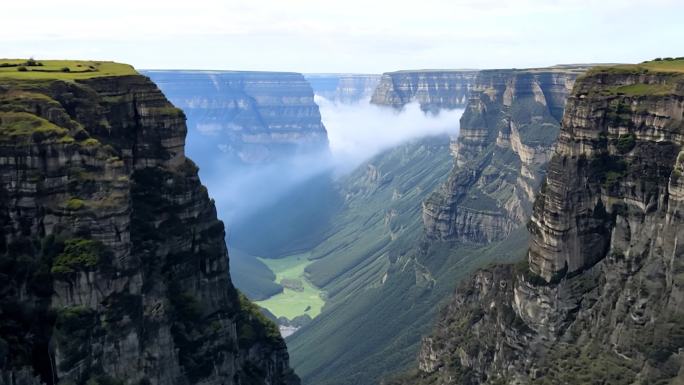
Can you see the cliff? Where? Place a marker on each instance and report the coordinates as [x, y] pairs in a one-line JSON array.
[[433, 89], [343, 88], [507, 135], [113, 262], [256, 117], [599, 297]]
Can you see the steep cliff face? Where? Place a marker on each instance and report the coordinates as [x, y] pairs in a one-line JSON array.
[[507, 135], [113, 262], [433, 89], [599, 298], [344, 88], [257, 117]]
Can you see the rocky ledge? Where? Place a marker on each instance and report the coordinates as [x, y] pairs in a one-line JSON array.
[[113, 265]]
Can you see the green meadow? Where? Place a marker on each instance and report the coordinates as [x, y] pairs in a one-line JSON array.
[[61, 69], [299, 296]]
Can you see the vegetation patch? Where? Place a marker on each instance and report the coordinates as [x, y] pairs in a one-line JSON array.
[[299, 296], [643, 89], [14, 124], [253, 326], [78, 254], [75, 204], [62, 69], [626, 143]]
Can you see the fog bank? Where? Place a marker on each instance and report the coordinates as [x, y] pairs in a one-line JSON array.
[[358, 131]]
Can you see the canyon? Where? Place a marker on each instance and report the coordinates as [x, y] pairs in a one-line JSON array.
[[421, 217], [554, 213]]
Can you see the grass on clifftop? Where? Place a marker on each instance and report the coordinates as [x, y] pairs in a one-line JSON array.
[[669, 70], [61, 69], [667, 65]]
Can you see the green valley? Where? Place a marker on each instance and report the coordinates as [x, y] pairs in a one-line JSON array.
[[299, 296]]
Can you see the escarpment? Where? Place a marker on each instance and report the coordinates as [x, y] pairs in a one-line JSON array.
[[599, 297], [506, 138], [432, 89], [254, 117], [113, 264]]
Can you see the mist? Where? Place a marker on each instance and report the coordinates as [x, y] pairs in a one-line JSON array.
[[359, 131], [356, 132]]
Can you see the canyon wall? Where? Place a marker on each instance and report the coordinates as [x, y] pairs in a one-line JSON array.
[[507, 135], [432, 89], [113, 264], [256, 117], [343, 88], [599, 297]]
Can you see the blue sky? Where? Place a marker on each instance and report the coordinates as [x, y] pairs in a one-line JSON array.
[[343, 36]]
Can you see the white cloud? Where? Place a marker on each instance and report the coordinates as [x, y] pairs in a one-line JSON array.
[[360, 130]]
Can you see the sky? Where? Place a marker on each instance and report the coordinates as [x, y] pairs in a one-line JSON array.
[[362, 36]]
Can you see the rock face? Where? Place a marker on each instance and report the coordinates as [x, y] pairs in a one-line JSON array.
[[600, 297], [343, 88], [258, 117], [507, 135], [433, 89], [113, 265]]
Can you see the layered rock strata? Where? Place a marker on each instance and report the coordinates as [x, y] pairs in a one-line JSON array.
[[507, 135], [344, 88], [113, 265], [599, 298], [432, 89], [257, 117]]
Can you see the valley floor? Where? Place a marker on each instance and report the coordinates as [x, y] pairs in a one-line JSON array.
[[299, 296]]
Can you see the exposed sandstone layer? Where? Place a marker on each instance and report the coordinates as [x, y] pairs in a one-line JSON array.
[[600, 297], [506, 139], [433, 89], [257, 117], [113, 265]]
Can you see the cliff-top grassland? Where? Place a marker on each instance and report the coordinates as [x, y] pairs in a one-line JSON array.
[[61, 69]]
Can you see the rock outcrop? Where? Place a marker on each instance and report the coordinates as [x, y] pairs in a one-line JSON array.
[[599, 298], [113, 265], [257, 117], [433, 89], [507, 135], [343, 88]]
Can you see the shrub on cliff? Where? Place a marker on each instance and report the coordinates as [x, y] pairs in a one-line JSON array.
[[78, 254]]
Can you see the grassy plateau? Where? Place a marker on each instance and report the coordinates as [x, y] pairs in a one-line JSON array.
[[61, 69]]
